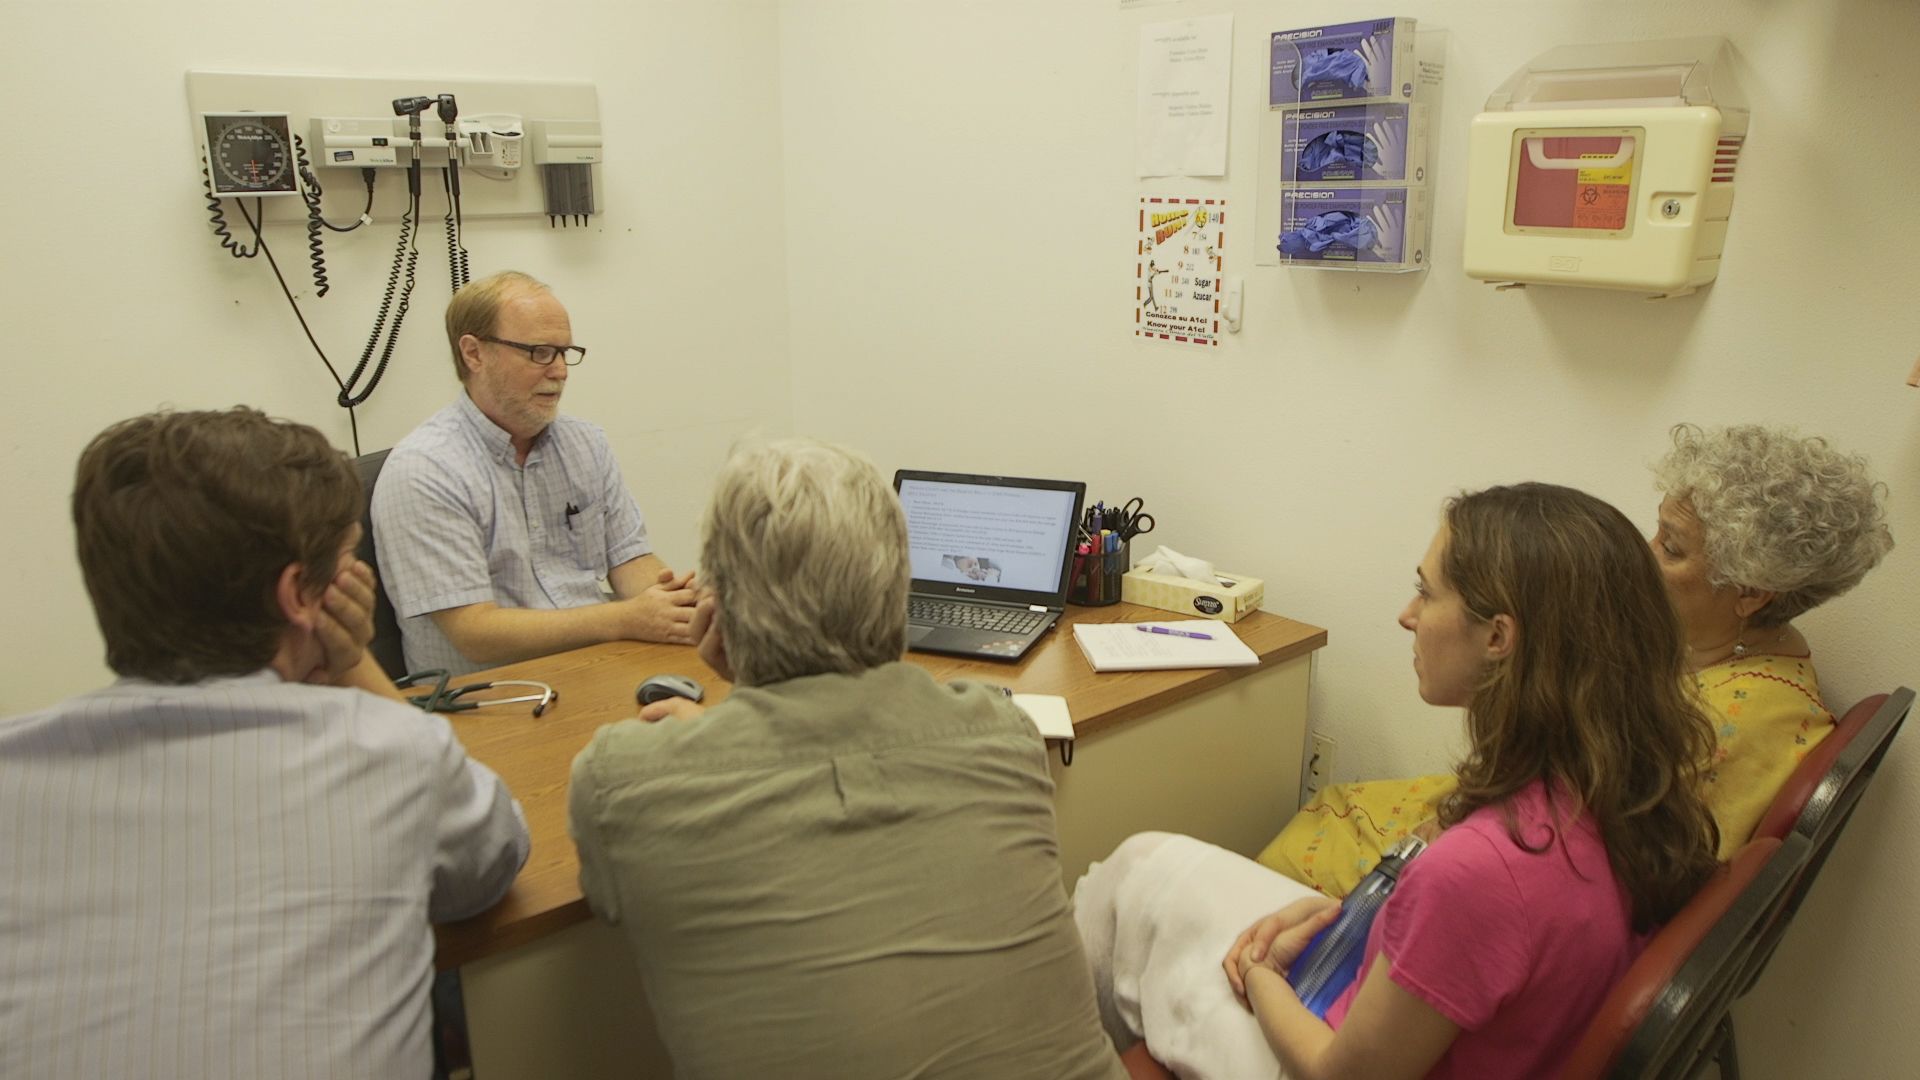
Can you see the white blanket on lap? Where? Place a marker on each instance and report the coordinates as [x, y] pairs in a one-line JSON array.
[[1158, 917]]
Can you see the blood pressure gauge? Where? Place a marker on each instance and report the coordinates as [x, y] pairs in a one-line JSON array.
[[250, 154]]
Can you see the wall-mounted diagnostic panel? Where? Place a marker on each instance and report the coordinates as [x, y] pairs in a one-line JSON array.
[[404, 151], [267, 134]]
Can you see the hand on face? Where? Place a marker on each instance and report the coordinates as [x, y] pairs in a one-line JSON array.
[[343, 622], [705, 629]]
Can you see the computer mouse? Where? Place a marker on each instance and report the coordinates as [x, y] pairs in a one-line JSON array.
[[660, 687]]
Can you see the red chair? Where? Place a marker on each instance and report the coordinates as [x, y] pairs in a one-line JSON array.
[[1817, 812], [1690, 1024], [1141, 1066], [1651, 975], [1792, 797]]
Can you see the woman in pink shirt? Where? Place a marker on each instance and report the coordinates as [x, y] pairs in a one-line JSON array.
[[1578, 827]]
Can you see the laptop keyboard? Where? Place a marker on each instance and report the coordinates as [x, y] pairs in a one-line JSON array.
[[973, 616]]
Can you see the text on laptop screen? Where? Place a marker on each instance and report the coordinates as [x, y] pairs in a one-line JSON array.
[[1009, 537]]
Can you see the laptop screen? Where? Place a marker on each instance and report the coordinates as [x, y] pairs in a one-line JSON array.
[[992, 537]]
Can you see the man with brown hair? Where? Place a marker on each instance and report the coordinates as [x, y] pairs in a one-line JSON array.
[[224, 864], [497, 520]]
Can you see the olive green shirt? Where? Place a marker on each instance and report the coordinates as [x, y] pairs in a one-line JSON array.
[[844, 877]]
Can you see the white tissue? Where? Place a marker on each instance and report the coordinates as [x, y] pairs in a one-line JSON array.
[[1165, 560]]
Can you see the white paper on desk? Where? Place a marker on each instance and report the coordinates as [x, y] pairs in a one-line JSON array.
[[1123, 647], [1049, 714], [1183, 95]]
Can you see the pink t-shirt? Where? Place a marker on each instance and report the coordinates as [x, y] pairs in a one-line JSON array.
[[1518, 948]]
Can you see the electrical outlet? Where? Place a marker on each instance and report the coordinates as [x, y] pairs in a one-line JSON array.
[[1317, 772]]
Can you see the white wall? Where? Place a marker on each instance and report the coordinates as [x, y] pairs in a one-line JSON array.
[[948, 227], [960, 204], [117, 299]]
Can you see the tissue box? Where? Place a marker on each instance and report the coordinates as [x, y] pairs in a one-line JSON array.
[[1228, 603]]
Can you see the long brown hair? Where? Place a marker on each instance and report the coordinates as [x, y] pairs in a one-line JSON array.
[[1594, 695]]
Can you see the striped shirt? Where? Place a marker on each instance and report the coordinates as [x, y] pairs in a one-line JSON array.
[[457, 521], [235, 879]]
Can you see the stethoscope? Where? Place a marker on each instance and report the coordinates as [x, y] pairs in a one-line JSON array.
[[445, 699]]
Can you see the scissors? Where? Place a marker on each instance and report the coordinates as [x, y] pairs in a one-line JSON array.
[[443, 699], [1131, 521]]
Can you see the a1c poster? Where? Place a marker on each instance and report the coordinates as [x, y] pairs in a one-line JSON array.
[[1176, 272]]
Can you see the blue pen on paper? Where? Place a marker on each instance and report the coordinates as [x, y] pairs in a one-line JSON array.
[[1145, 629]]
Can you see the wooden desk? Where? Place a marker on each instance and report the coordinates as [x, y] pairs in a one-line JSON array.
[[551, 992]]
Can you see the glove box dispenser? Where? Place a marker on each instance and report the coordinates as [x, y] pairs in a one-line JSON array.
[[1608, 166]]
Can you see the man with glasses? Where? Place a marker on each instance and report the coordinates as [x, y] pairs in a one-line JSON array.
[[496, 520]]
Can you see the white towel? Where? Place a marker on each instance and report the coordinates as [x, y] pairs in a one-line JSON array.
[[1157, 918]]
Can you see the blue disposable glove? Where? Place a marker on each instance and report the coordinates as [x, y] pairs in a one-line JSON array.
[[1338, 66], [1338, 146], [1322, 231]]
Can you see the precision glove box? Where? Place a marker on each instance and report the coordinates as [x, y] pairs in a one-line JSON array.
[[1609, 166]]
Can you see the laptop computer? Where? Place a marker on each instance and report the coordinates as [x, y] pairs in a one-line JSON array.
[[989, 557]]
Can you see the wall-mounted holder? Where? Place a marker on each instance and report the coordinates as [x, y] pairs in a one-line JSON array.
[[1345, 166], [1608, 166]]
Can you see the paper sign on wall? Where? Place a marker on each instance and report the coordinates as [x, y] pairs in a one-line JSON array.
[[1183, 94], [1176, 272]]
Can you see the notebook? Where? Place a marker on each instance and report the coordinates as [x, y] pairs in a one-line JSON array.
[[989, 557], [1127, 647]]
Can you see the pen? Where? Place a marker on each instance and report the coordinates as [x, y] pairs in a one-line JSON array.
[[1145, 629]]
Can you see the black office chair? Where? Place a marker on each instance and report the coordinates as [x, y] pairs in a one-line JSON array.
[[1691, 1025], [386, 625]]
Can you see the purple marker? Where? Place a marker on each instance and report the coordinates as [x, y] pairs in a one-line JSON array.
[[1145, 629]]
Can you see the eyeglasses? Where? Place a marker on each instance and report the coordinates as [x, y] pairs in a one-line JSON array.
[[543, 354]]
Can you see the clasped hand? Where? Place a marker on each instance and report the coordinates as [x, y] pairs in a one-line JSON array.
[[1276, 941], [663, 611]]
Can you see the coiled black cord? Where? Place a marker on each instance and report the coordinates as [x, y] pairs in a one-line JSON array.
[[405, 256], [457, 259], [310, 192], [220, 223], [316, 253], [260, 246]]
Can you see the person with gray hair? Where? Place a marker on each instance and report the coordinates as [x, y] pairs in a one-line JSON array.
[[1758, 526], [844, 869]]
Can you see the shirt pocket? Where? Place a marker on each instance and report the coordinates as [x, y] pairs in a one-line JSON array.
[[588, 532]]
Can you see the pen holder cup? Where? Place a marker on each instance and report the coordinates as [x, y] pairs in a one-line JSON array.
[[1096, 576]]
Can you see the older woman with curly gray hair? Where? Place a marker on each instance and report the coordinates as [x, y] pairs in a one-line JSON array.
[[1759, 525]]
